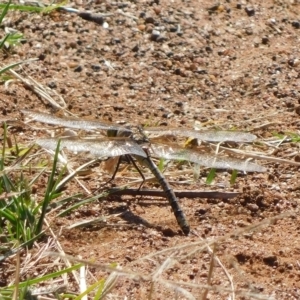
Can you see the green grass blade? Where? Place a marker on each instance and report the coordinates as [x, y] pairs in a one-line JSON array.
[[2, 43], [63, 201], [83, 202], [233, 176], [14, 251], [161, 164], [7, 184], [5, 10], [56, 193], [99, 284], [50, 276], [49, 191], [6, 68], [211, 176], [34, 9], [50, 8], [43, 278], [36, 177], [26, 8], [8, 215], [11, 39], [100, 289]]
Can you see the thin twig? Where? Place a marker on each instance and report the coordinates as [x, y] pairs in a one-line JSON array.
[[179, 193]]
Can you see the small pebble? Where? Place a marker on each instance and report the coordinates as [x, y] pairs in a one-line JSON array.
[[265, 40], [135, 48], [297, 110], [253, 207], [296, 24], [78, 69], [157, 10], [96, 68], [249, 31], [155, 34], [142, 27], [250, 11], [149, 20], [52, 85]]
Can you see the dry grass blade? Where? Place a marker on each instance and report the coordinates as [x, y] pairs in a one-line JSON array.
[[173, 285], [156, 276], [210, 271], [201, 245], [42, 91], [5, 195], [109, 283], [168, 263], [213, 259], [261, 156], [82, 281], [17, 277], [73, 173], [94, 221]]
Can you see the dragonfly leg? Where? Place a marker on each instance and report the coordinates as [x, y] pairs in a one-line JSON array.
[[129, 160], [138, 169], [116, 169], [114, 174]]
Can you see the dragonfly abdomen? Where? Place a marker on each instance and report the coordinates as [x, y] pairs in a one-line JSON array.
[[170, 195]]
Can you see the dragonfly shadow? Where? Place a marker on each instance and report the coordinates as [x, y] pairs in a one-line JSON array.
[[133, 219]]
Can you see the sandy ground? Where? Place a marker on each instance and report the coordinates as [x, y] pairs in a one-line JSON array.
[[233, 65]]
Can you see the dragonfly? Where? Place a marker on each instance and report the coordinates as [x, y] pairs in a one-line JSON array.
[[134, 142]]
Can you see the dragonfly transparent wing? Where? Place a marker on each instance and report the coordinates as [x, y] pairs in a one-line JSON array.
[[205, 135], [204, 159], [72, 122], [97, 147]]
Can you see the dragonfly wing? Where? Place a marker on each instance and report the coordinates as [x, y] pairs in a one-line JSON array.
[[98, 148], [205, 159], [72, 145], [224, 136], [117, 147], [205, 135], [72, 122]]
